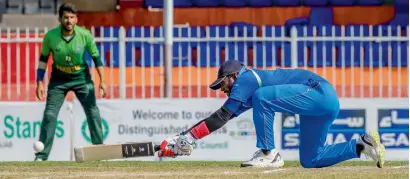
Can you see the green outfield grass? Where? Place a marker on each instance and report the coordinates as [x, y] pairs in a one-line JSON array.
[[196, 169]]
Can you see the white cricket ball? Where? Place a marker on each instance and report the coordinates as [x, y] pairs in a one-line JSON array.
[[38, 146]]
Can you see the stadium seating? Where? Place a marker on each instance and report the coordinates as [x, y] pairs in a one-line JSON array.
[[315, 2], [342, 2], [262, 3], [207, 48], [369, 2]]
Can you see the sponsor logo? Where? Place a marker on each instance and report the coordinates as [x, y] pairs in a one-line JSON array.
[[159, 130], [14, 127], [244, 129], [86, 132], [78, 48], [211, 145], [68, 69], [348, 125], [394, 128]]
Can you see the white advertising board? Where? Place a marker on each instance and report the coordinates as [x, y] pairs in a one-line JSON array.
[[20, 128], [157, 119]]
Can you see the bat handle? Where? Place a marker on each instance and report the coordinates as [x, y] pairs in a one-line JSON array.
[[157, 148]]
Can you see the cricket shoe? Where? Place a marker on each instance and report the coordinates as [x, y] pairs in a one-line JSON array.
[[260, 160], [38, 160], [373, 147]]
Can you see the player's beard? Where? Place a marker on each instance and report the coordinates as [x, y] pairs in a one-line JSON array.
[[228, 92], [66, 29]]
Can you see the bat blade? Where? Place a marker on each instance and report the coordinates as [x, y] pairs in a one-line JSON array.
[[114, 151]]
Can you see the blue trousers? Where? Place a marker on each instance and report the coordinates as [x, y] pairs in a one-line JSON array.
[[317, 106]]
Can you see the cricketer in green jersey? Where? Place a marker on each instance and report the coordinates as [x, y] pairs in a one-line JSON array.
[[67, 43]]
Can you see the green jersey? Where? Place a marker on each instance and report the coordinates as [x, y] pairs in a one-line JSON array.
[[68, 55]]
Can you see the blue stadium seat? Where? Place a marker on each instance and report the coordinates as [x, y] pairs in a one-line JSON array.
[[154, 3], [322, 51], [217, 31], [322, 54], [133, 46], [235, 3], [321, 16], [260, 3], [288, 2], [384, 30], [207, 3], [264, 52], [350, 54], [306, 31], [180, 54], [194, 31], [274, 31], [400, 53], [357, 30], [181, 49], [370, 2], [342, 2], [275, 54], [243, 29], [329, 31], [315, 2], [372, 54], [160, 3], [401, 6], [358, 48], [150, 55], [400, 20], [237, 51], [104, 47], [209, 53]]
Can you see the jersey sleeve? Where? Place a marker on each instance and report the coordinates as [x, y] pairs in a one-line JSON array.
[[244, 87], [235, 107], [45, 46], [92, 50], [91, 45]]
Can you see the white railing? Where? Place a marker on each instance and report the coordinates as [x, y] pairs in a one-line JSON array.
[[361, 61]]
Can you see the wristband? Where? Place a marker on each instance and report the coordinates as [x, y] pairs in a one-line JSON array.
[[40, 74]]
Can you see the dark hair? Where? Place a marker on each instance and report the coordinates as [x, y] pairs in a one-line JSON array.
[[66, 7]]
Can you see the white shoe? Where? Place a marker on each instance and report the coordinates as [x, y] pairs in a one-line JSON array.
[[38, 159], [373, 147], [260, 160]]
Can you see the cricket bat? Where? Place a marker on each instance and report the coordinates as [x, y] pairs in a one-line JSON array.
[[114, 151]]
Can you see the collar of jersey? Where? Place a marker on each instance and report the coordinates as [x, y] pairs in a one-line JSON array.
[[243, 69], [258, 79]]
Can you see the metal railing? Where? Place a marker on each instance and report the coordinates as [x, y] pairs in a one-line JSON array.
[[361, 61]]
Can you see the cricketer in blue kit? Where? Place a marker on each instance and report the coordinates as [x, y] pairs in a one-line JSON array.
[[294, 91]]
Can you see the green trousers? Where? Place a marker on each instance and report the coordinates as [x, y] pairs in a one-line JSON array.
[[57, 91]]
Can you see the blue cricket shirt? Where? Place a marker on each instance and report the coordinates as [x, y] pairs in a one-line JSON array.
[[249, 80]]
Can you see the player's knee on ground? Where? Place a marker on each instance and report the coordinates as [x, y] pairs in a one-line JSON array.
[[308, 162]]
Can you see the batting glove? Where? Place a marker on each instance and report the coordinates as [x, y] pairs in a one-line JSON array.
[[177, 146]]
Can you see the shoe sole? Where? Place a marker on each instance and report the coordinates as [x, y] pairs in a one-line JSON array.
[[268, 165], [380, 149]]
